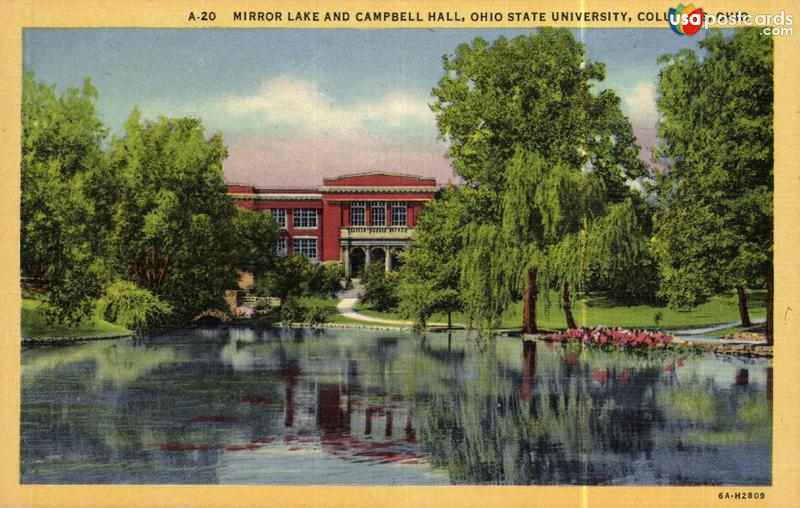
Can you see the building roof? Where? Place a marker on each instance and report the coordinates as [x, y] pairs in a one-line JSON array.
[[376, 181]]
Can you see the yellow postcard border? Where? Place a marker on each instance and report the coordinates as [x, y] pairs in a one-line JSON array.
[[784, 492]]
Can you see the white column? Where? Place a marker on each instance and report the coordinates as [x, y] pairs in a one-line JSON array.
[[346, 261], [367, 256], [388, 260]]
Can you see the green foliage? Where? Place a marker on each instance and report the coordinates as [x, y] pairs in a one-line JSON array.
[[545, 156], [318, 315], [430, 277], [293, 311], [380, 288], [324, 279], [255, 234], [35, 324], [151, 207], [173, 222], [486, 274], [267, 317], [657, 317], [135, 308], [620, 261], [61, 137], [533, 92], [714, 228], [295, 275]]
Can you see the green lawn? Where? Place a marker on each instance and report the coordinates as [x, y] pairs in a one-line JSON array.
[[34, 325], [598, 310]]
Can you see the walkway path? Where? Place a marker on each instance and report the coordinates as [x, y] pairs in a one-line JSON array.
[[348, 299], [696, 334]]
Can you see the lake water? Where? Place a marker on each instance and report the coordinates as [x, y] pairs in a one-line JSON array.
[[353, 407]]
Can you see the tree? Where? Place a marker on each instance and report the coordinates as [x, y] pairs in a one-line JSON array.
[[430, 276], [172, 225], [519, 114], [255, 234], [714, 228], [61, 147]]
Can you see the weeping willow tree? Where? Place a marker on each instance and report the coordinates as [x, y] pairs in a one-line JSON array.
[[528, 128], [547, 210], [558, 227]]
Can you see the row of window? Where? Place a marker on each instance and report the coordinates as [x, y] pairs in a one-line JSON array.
[[303, 218], [306, 218], [304, 246], [358, 213]]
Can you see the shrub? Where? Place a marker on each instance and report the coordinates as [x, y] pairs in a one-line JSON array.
[[135, 308], [292, 311], [291, 276], [380, 288], [296, 275], [318, 315], [324, 279], [267, 317]]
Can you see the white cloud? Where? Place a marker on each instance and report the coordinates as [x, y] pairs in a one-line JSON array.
[[641, 103], [298, 104]]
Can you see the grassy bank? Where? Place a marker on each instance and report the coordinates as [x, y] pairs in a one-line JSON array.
[[34, 324], [599, 310]]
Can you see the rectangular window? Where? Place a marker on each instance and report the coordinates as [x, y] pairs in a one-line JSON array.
[[399, 213], [279, 214], [358, 213], [379, 213], [305, 218], [281, 246], [306, 247]]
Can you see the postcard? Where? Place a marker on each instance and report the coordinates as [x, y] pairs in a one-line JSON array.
[[400, 253]]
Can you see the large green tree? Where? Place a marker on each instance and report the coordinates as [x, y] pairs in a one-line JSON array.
[[521, 114], [172, 226], [61, 147], [714, 228]]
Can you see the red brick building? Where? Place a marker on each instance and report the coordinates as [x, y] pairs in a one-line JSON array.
[[354, 219]]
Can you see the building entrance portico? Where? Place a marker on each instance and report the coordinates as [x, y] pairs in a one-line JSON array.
[[357, 257]]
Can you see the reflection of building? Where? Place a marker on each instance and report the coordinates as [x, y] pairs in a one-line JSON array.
[[355, 219]]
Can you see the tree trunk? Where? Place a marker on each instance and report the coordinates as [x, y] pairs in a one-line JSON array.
[[529, 304], [567, 307], [743, 314], [770, 309], [449, 320]]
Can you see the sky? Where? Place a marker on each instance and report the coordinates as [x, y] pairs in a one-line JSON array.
[[295, 106]]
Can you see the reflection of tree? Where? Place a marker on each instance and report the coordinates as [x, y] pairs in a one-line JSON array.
[[118, 363], [569, 430]]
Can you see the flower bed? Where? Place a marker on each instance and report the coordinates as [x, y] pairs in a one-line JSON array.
[[616, 338]]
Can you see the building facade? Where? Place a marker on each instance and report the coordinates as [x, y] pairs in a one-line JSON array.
[[355, 219]]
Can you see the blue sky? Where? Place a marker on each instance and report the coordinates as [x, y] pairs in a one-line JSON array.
[[297, 105]]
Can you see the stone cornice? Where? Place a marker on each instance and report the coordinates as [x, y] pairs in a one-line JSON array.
[[279, 197], [372, 189]]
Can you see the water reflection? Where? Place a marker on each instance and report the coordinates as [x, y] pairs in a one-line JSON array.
[[354, 407]]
